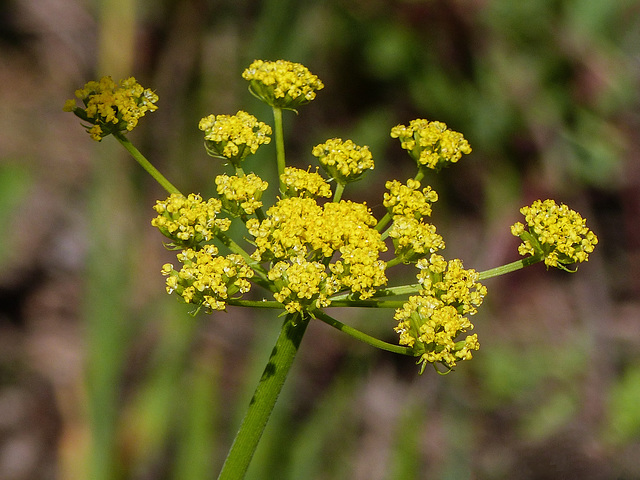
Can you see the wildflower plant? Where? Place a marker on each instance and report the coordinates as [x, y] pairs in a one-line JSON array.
[[312, 250]]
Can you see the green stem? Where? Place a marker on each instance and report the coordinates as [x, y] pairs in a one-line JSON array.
[[255, 303], [264, 398], [509, 267], [393, 262], [233, 246], [383, 223], [280, 158], [387, 292], [135, 153], [363, 337], [339, 191], [368, 303]]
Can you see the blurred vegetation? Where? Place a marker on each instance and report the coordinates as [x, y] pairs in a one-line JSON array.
[[102, 375]]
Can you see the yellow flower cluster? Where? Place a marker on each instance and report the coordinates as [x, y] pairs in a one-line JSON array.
[[282, 84], [240, 195], [343, 160], [429, 323], [233, 137], [408, 200], [207, 279], [302, 183], [305, 251], [452, 283], [301, 282], [189, 221], [414, 239], [299, 228], [431, 144], [554, 232], [112, 107]]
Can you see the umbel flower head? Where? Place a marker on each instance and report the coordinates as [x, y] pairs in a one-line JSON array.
[[299, 238], [233, 137], [207, 279], [240, 195], [343, 160], [189, 221], [408, 200], [282, 84], [303, 183], [110, 107], [554, 232], [430, 322], [414, 239], [431, 144]]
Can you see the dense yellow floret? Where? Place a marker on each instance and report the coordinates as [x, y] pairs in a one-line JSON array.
[[111, 107], [300, 228], [343, 160], [303, 183], [414, 239], [408, 199], [207, 279], [431, 144], [282, 84], [301, 283], [234, 137], [429, 323], [554, 232], [189, 221], [240, 195]]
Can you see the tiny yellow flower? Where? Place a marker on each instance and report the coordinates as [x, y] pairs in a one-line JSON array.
[[303, 183], [206, 279], [282, 84], [110, 107], [414, 239], [300, 228], [343, 160], [233, 137], [554, 232], [240, 195], [189, 221], [408, 200], [301, 284], [431, 144], [430, 322], [430, 328]]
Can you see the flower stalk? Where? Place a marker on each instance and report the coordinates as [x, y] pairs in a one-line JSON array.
[[144, 163], [361, 336], [265, 397], [280, 156], [509, 267]]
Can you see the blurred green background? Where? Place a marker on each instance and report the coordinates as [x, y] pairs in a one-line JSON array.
[[104, 376]]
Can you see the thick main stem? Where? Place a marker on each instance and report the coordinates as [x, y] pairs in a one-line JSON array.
[[264, 398]]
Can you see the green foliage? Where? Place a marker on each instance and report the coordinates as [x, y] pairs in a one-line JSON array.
[[623, 412], [15, 181]]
